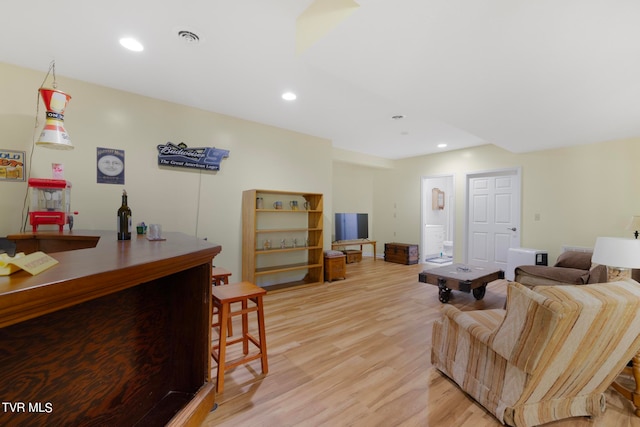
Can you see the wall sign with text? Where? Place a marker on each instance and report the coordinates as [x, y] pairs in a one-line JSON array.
[[12, 165], [110, 166], [181, 156]]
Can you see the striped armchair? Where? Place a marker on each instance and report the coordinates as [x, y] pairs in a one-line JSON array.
[[549, 355]]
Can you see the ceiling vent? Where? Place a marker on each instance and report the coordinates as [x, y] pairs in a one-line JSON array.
[[188, 37]]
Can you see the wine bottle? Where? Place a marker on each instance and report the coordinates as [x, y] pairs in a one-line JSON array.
[[124, 219]]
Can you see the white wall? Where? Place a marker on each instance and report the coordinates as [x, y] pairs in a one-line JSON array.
[[578, 193], [193, 202], [353, 191]]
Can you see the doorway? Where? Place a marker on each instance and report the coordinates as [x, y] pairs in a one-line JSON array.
[[438, 219], [493, 217]]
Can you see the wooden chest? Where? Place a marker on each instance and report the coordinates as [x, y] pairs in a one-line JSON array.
[[401, 253], [335, 268], [353, 255]]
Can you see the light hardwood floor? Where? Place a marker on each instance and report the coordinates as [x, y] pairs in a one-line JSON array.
[[356, 352]]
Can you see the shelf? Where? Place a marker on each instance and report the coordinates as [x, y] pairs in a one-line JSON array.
[[287, 230], [285, 249], [283, 268], [289, 210]]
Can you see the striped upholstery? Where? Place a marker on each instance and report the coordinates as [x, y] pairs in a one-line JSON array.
[[550, 355]]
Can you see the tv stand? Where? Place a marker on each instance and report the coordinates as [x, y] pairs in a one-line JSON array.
[[358, 242]]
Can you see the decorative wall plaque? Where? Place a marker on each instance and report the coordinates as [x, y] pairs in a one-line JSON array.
[[110, 166], [12, 165], [181, 156]]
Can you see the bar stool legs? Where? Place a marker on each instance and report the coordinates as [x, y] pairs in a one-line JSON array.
[[223, 297]]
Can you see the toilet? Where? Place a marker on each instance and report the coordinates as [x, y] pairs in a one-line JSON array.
[[447, 248]]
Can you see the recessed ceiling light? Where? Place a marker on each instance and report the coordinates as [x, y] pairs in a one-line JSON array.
[[398, 117], [289, 96], [131, 44], [442, 145]]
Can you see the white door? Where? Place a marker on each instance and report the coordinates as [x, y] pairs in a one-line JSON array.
[[493, 217]]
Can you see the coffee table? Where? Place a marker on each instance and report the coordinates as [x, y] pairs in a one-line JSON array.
[[460, 277]]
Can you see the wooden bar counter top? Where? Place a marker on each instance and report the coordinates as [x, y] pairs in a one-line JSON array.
[[116, 334]]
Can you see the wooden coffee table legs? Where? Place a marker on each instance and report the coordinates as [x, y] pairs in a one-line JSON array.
[[460, 277], [444, 293]]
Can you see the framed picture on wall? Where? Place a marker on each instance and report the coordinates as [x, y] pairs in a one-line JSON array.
[[110, 166], [12, 165], [437, 199]]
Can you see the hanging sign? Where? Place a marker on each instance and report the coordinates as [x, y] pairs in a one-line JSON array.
[[181, 156]]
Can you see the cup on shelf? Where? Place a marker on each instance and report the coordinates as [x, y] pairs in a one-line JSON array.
[[306, 206], [259, 203], [277, 205], [294, 205]]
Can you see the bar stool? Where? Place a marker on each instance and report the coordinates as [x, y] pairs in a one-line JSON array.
[[220, 276], [223, 297]]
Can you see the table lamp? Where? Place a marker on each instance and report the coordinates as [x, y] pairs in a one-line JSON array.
[[618, 254]]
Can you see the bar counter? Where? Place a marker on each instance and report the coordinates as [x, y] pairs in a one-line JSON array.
[[117, 334]]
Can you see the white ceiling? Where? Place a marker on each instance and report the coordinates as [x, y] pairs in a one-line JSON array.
[[521, 74]]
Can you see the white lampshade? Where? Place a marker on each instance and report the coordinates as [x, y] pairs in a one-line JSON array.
[[617, 252]]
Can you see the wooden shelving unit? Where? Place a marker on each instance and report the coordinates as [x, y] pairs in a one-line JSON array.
[[294, 253]]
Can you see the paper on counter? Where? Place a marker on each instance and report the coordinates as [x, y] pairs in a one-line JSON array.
[[34, 263]]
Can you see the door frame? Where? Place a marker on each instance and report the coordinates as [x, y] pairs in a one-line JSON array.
[[425, 205], [512, 171]]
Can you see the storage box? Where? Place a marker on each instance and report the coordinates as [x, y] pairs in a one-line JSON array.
[[334, 267], [353, 255], [401, 253]]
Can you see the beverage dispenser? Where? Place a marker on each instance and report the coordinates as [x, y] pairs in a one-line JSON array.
[[50, 203]]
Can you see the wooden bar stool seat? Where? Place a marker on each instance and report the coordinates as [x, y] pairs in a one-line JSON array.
[[223, 297]]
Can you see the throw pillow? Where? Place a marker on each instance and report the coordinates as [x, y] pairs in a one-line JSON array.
[[571, 259]]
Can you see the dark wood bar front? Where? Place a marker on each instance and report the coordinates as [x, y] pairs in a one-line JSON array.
[[118, 334]]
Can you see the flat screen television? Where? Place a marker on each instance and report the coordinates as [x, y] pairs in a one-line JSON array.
[[352, 226]]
